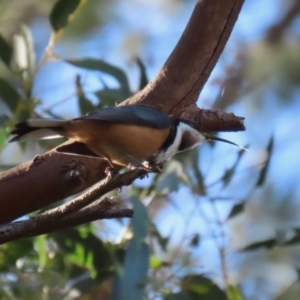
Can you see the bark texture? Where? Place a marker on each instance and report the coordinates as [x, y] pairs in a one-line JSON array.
[[53, 176]]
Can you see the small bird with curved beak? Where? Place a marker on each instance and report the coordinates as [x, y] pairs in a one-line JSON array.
[[136, 135]]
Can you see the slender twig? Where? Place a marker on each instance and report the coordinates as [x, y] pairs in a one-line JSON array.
[[75, 212], [102, 209]]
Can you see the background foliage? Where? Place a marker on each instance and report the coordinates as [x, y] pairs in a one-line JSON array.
[[219, 223]]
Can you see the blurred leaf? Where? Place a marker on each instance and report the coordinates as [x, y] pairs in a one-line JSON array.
[[155, 262], [237, 209], [199, 186], [6, 51], [88, 252], [3, 137], [172, 177], [11, 252], [109, 97], [198, 287], [9, 95], [133, 279], [84, 103], [143, 78], [101, 66], [63, 12], [226, 178], [163, 241], [264, 170], [195, 241], [40, 245], [233, 293], [268, 244]]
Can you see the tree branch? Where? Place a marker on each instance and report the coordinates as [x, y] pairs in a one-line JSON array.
[[53, 176], [101, 209]]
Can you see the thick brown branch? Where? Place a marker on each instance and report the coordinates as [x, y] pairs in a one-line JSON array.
[[101, 209], [53, 176], [181, 79]]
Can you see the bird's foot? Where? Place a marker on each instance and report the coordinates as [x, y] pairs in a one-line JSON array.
[[149, 165], [111, 173]]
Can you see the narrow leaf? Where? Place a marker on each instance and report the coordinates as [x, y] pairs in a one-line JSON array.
[[237, 209], [101, 66], [84, 103], [9, 95], [264, 170], [5, 51], [226, 178], [110, 97], [233, 293], [143, 77], [62, 13]]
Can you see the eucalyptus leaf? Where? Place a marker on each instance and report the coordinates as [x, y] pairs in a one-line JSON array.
[[6, 51], [9, 95], [99, 65], [62, 13]]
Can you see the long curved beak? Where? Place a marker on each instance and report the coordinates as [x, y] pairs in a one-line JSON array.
[[215, 138]]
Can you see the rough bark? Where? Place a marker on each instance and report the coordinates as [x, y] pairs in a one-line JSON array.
[[53, 176]]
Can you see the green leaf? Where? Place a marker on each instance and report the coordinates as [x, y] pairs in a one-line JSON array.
[[10, 252], [9, 95], [233, 293], [109, 97], [3, 137], [62, 13], [101, 66], [198, 287], [6, 51], [143, 77], [40, 245], [264, 170]]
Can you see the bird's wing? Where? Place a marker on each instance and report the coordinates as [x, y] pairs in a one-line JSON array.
[[141, 115]]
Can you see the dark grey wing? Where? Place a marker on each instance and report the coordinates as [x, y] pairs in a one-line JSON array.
[[131, 114]]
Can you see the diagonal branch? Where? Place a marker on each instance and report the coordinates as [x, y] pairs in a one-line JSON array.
[[54, 176], [34, 226]]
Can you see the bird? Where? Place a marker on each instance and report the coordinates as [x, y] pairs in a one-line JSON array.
[[131, 135]]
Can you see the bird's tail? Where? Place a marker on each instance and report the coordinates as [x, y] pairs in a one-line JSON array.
[[37, 129]]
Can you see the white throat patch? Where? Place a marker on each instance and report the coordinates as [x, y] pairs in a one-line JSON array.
[[185, 134]]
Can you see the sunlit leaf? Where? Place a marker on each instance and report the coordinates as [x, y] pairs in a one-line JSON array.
[[264, 170], [63, 12], [3, 137], [40, 245], [101, 66], [11, 252], [5, 51], [198, 287], [143, 76], [233, 293], [155, 262], [9, 95], [237, 209]]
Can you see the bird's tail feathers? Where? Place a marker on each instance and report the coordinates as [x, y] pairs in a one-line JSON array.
[[37, 129]]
